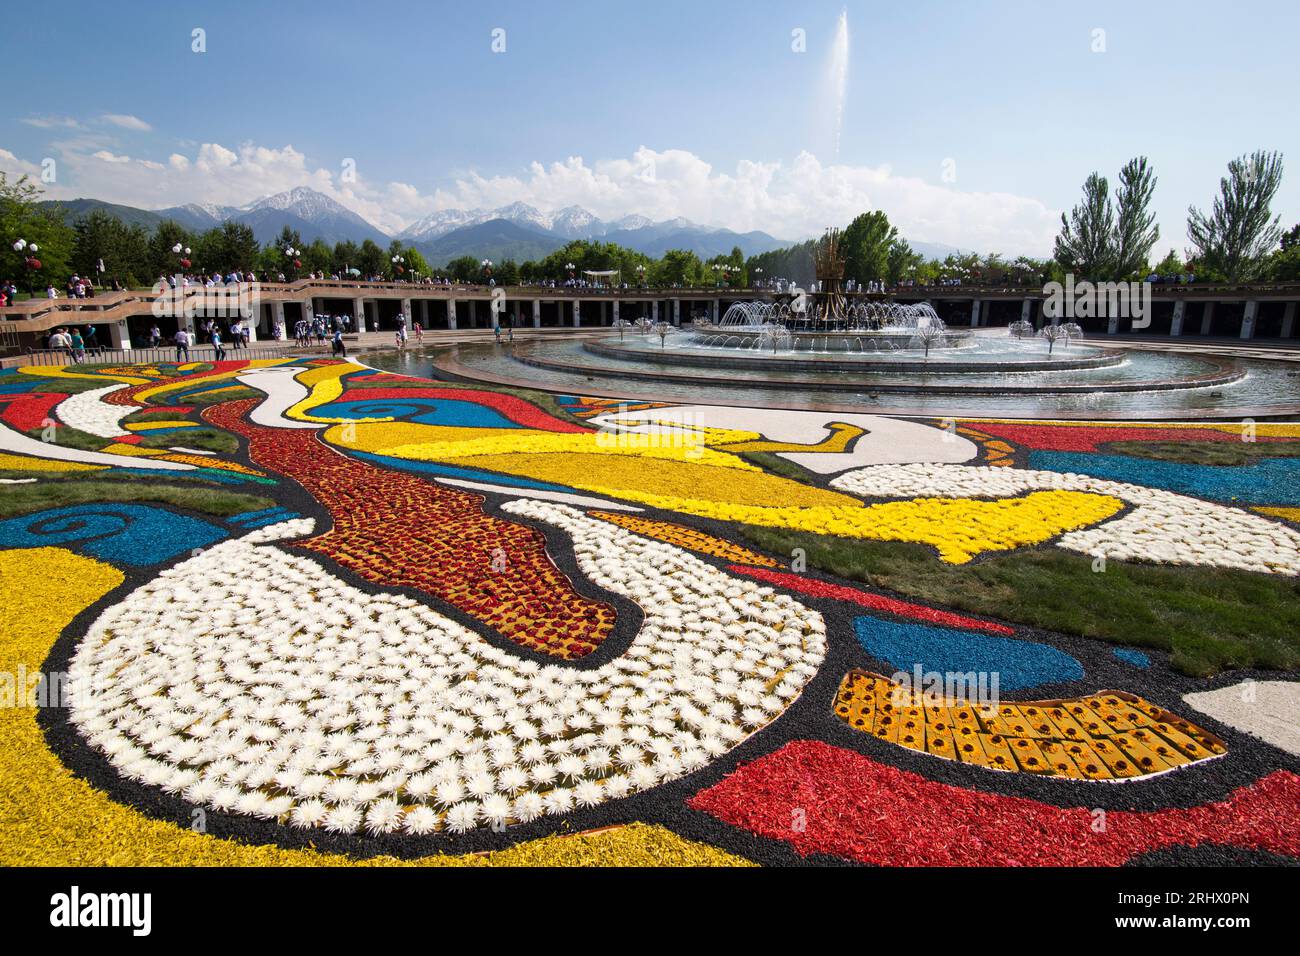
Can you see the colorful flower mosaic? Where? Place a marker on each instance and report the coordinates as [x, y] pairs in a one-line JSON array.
[[1104, 736], [358, 617]]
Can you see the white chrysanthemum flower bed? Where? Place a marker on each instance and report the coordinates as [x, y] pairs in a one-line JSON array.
[[1162, 527], [252, 681], [88, 412]]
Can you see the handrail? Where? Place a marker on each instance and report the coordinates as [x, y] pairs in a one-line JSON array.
[[95, 355], [38, 315]]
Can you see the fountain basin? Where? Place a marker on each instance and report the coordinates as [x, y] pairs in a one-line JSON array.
[[737, 357]]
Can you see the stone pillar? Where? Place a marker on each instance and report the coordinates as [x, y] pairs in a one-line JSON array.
[[974, 313], [451, 313], [577, 313], [407, 311], [277, 315], [1176, 324], [677, 312], [309, 309], [654, 310], [1207, 318], [537, 313], [119, 337], [1026, 310], [1112, 325], [1288, 320], [616, 311], [716, 305], [250, 323], [1248, 320], [424, 313]]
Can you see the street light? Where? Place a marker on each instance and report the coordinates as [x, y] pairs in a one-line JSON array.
[[398, 267], [28, 251]]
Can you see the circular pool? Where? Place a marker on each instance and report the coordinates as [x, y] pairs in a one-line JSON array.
[[987, 375]]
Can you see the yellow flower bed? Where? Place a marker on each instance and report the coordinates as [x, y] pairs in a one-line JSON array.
[[51, 818], [10, 462], [525, 442], [958, 528], [324, 385]]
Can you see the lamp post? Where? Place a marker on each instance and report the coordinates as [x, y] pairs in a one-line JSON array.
[[570, 267], [28, 251], [640, 275], [399, 266], [292, 255]]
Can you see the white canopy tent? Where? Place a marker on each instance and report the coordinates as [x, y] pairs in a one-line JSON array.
[[595, 276]]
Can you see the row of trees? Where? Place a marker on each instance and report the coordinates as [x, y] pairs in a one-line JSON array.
[[1105, 237], [1238, 240]]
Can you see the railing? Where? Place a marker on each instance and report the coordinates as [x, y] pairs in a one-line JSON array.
[[145, 356]]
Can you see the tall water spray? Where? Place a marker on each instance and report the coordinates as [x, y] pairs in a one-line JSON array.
[[838, 74]]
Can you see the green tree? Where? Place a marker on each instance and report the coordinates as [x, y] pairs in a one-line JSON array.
[[1136, 232], [1086, 241], [318, 257], [22, 218], [226, 248], [162, 261], [416, 264], [370, 259], [464, 269], [1284, 266], [346, 256], [678, 267], [1240, 230], [900, 261], [866, 244], [1171, 264], [123, 250]]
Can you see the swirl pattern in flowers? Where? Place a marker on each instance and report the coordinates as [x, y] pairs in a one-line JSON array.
[[348, 615]]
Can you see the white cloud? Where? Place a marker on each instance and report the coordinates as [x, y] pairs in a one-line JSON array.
[[789, 199], [127, 121], [13, 167], [52, 122]]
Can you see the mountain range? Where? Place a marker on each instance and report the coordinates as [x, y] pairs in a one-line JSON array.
[[516, 231]]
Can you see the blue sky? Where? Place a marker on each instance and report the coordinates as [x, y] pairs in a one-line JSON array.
[[672, 108]]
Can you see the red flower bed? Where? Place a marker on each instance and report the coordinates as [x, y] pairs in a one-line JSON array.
[[1087, 438], [824, 799], [394, 528], [876, 602], [28, 410]]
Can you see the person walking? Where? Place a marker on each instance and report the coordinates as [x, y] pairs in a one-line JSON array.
[[216, 344], [78, 346], [340, 347], [182, 346]]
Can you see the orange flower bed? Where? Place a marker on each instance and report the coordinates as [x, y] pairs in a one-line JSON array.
[[393, 528]]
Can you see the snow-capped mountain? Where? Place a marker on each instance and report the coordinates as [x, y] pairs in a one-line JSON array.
[[199, 215], [517, 230], [633, 221], [439, 223], [313, 214], [574, 222]]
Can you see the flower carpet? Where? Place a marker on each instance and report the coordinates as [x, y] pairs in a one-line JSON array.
[[302, 612]]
